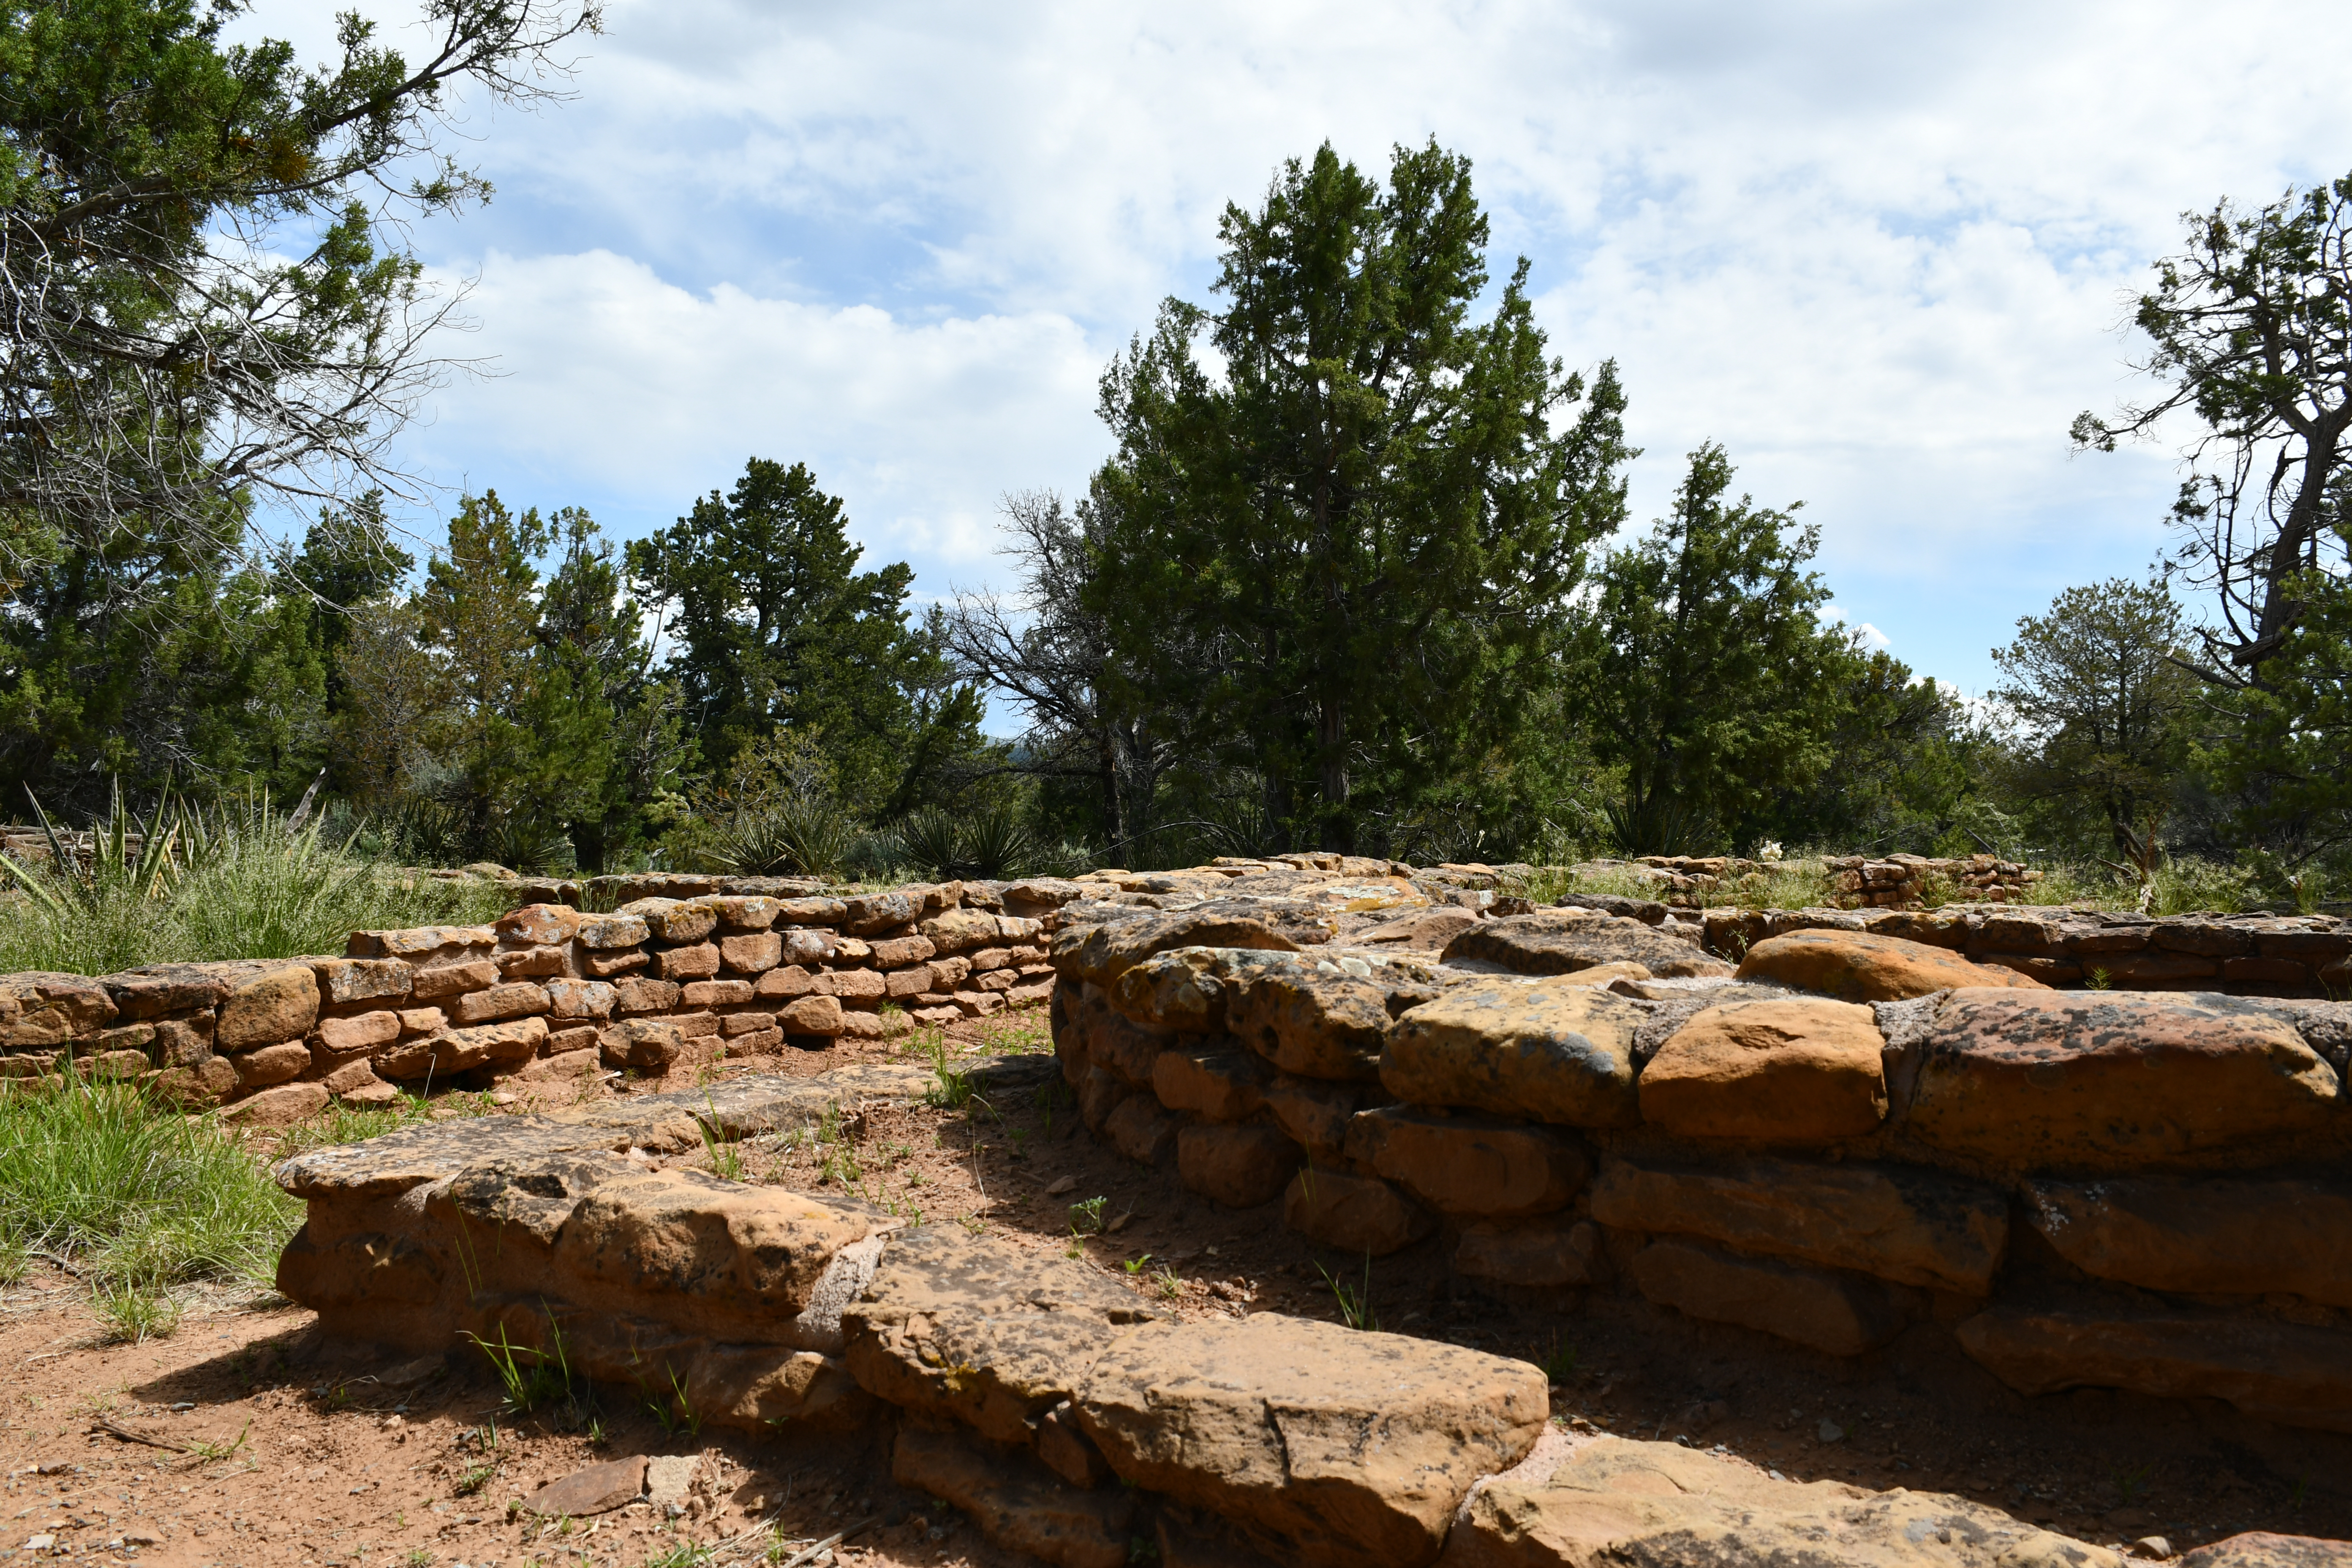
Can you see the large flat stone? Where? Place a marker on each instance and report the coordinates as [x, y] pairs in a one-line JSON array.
[[1471, 1165], [2286, 1373], [960, 1326], [1561, 942], [2262, 1549], [2113, 1082], [1016, 1503], [1331, 1445], [2212, 1235], [1105, 951], [1553, 1052], [1314, 1019], [1612, 1502], [1240, 1167], [1353, 1214], [1843, 1314], [1914, 1226], [1794, 1071], [1858, 966]]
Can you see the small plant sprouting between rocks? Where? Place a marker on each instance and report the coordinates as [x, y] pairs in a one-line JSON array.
[[726, 1159], [953, 1090], [529, 1376], [673, 1411], [1355, 1301], [1559, 1362], [1087, 1218]]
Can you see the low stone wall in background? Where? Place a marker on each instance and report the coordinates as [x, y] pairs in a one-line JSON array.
[[545, 992]]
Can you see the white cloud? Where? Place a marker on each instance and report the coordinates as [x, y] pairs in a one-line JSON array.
[[1880, 251], [1872, 638]]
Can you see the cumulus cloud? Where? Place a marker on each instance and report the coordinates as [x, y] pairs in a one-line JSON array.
[[1880, 252]]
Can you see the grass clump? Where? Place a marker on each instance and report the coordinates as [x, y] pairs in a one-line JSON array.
[[241, 882], [133, 1197]]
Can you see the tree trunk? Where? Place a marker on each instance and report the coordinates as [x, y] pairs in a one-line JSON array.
[[1331, 742]]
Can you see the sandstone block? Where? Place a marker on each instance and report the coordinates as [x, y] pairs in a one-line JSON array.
[[460, 1050], [811, 1016], [962, 1326], [603, 933], [352, 1078], [1100, 1092], [1660, 1505], [1240, 1167], [184, 1042], [1340, 1447], [760, 1388], [2213, 1235], [647, 1045], [1102, 953], [810, 912], [873, 913], [1312, 1020], [900, 983], [525, 963], [1843, 1314], [579, 1036], [789, 982], [452, 980], [1858, 966], [1470, 1165], [1426, 931], [705, 1254], [278, 1004], [2112, 1080], [715, 992], [280, 1107], [744, 911], [1140, 1129], [1119, 1046], [2286, 1373], [518, 999], [617, 961], [1561, 942], [1798, 1071], [1223, 1086], [1548, 1251], [811, 948], [638, 995], [582, 998], [418, 943], [900, 951], [342, 980], [752, 952], [1555, 1052], [696, 961], [1015, 1502], [200, 1083], [148, 993], [269, 1064], [576, 1063], [2263, 1548], [1179, 990], [538, 925], [598, 1488], [1315, 1113], [679, 922], [1353, 1214], [1899, 1223], [956, 931], [858, 986], [733, 1024], [341, 1036]]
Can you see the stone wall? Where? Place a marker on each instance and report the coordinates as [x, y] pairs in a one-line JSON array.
[[545, 992], [1852, 1137]]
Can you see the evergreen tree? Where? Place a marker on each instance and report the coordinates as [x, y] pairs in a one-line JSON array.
[[1364, 528]]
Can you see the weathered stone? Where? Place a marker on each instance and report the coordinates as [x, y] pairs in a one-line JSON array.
[[277, 1005], [1612, 1502], [1140, 1129], [1843, 1314], [2214, 1235], [1793, 1071], [1353, 1214], [352, 1078], [607, 933], [1015, 1502], [418, 943], [639, 994], [1343, 1447], [1240, 1167], [459, 1050], [2112, 1082], [2279, 1371], [1102, 953], [899, 952], [810, 911], [1915, 1226], [342, 980], [2263, 1548], [752, 952], [679, 922], [699, 1252], [647, 1045], [1858, 966], [1223, 1086], [270, 1063], [598, 1488], [452, 980], [856, 985], [1548, 1251], [581, 998], [365, 1031], [1470, 1165], [150, 992], [1553, 1051], [811, 1016], [763, 1388], [956, 931], [715, 992], [539, 925], [280, 1107], [1426, 930], [1312, 1019], [200, 1083], [1315, 1113], [963, 1326], [876, 912], [698, 961], [1181, 989], [1561, 942], [519, 999], [742, 911]]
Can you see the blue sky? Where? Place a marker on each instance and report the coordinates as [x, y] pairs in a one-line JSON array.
[[1882, 252]]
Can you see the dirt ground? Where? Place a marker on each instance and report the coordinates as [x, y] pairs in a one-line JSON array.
[[279, 1448]]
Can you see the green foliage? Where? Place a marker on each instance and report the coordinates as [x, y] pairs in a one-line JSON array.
[[1334, 568], [134, 1194], [992, 842]]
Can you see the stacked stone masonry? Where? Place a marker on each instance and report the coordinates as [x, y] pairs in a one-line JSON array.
[[546, 992], [2092, 1150]]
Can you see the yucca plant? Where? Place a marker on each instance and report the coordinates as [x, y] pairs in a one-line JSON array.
[[798, 835], [1659, 825], [73, 887], [933, 842]]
